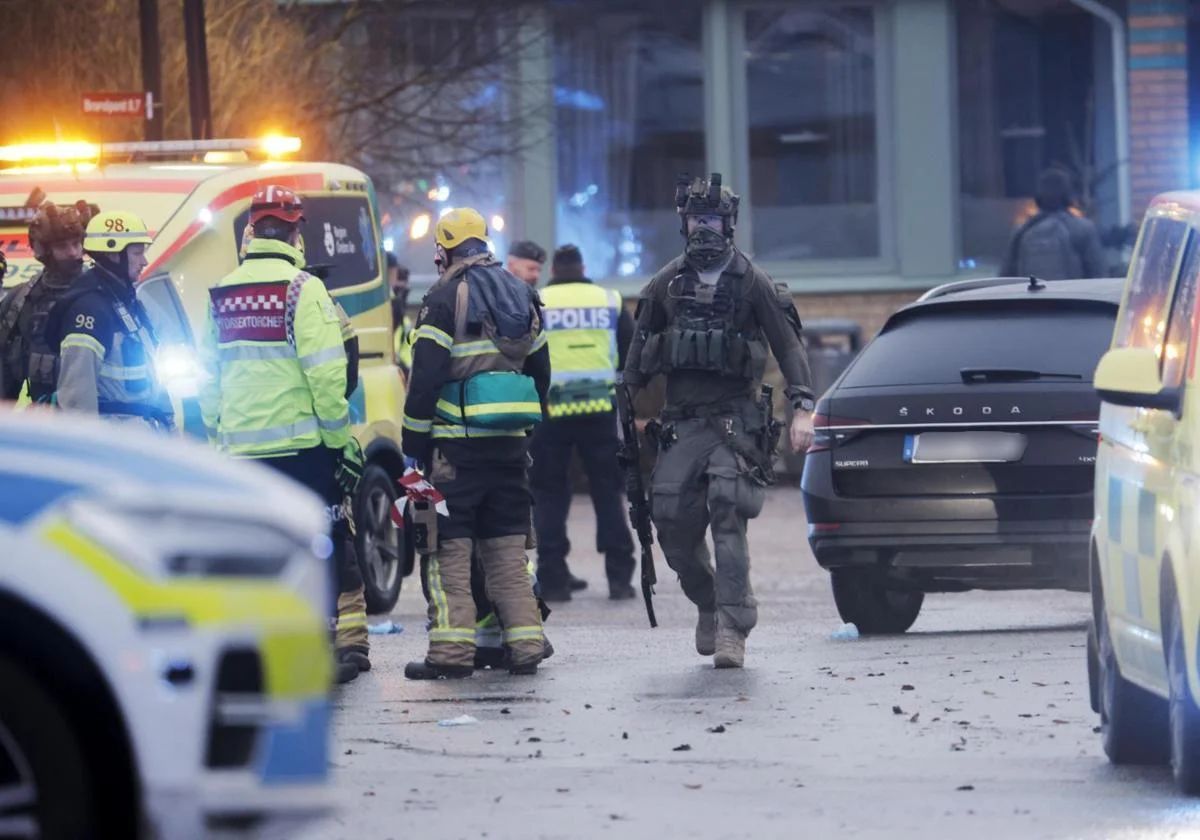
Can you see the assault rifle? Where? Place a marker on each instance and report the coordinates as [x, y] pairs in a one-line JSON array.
[[635, 492]]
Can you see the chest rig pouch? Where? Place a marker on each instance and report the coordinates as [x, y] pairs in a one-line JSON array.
[[708, 328]]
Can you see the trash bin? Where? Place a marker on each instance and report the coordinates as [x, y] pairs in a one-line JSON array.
[[832, 343]]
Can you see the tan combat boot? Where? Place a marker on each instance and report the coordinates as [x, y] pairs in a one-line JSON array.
[[731, 648], [706, 633]]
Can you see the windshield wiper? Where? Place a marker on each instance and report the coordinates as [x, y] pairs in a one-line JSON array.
[[970, 375]]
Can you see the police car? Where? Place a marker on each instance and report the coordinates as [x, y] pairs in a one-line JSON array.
[[164, 658], [195, 198]]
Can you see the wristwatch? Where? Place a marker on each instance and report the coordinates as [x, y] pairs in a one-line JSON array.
[[806, 404]]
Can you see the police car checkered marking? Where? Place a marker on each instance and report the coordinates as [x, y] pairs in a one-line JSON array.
[[250, 303]]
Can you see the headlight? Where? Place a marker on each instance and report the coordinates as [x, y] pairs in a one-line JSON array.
[[179, 370], [177, 543]]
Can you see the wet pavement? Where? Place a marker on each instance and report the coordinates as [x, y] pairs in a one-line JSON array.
[[976, 723]]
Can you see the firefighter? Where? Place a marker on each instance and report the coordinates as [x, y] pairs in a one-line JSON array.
[[588, 331], [277, 384], [56, 237], [480, 375], [106, 344]]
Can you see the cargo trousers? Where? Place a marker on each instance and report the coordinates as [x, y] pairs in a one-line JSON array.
[[700, 482], [315, 469], [489, 515]]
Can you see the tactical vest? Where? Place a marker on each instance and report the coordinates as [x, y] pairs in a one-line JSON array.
[[486, 395], [27, 352], [708, 328], [581, 327]]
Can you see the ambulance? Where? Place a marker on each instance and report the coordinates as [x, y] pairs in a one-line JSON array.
[[165, 663], [1144, 642], [195, 198]]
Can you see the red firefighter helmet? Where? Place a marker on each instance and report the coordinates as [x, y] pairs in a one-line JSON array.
[[278, 202]]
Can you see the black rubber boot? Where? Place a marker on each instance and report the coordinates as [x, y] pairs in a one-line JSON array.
[[490, 657], [575, 583], [344, 672], [356, 657], [526, 670], [556, 593], [620, 591], [426, 670], [547, 649]]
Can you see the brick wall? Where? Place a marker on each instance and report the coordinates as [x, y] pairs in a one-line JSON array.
[[1158, 99]]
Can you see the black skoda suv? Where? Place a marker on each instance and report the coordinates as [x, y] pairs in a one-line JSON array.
[[957, 451]]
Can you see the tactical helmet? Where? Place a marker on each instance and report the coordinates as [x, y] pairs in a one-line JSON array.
[[459, 225], [54, 223], [698, 197], [111, 232]]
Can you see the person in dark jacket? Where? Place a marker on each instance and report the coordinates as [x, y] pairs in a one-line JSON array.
[[1056, 243]]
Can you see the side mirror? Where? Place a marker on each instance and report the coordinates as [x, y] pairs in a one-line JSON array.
[[1129, 376]]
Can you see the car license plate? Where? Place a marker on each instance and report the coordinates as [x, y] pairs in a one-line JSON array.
[[964, 448]]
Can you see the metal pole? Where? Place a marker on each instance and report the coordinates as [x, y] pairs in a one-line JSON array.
[[151, 66], [1120, 64], [197, 64]]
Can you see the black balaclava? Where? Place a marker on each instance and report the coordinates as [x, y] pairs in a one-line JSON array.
[[707, 249]]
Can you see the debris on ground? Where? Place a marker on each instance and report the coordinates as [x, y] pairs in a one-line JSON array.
[[385, 628], [461, 720], [845, 633], [896, 710], [682, 748], [717, 730]]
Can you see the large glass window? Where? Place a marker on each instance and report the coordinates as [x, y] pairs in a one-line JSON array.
[[1027, 100], [810, 92], [629, 114]]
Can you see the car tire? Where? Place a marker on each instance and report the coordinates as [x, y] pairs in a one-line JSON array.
[[1183, 715], [871, 606], [1133, 722], [379, 544], [45, 782], [1093, 668]]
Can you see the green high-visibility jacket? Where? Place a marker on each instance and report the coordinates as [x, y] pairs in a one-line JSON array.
[[273, 352]]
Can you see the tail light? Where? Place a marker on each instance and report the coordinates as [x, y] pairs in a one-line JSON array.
[[829, 429]]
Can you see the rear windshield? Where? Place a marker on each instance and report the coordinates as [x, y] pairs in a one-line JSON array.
[[932, 347]]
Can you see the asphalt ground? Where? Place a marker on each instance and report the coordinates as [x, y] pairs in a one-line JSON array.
[[974, 724]]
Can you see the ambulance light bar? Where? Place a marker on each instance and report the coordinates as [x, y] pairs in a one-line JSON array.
[[271, 146]]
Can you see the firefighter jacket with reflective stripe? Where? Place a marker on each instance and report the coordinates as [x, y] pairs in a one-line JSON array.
[[581, 328], [106, 346], [273, 352], [449, 347]]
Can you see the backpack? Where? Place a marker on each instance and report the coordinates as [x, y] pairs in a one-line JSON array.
[[1046, 249]]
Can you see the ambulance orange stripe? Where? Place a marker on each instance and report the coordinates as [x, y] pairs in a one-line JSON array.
[[306, 181]]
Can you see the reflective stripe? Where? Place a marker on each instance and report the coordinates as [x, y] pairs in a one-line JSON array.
[[539, 342], [334, 425], [490, 408], [329, 354], [442, 432], [607, 375], [461, 635], [84, 341], [415, 425], [124, 373], [524, 634], [439, 337], [350, 621], [276, 433], [256, 352], [474, 348], [581, 407], [441, 609]]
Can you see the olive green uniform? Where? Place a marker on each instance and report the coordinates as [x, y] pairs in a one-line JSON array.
[[711, 343]]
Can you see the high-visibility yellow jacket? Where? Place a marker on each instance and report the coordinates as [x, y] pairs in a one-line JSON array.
[[581, 327], [273, 351]]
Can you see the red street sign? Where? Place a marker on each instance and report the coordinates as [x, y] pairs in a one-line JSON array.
[[114, 104]]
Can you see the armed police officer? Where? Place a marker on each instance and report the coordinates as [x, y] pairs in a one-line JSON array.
[[480, 375], [705, 322], [106, 344], [56, 237]]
